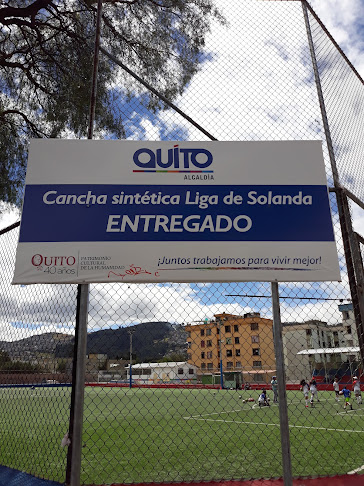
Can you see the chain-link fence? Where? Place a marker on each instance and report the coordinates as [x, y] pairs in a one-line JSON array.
[[181, 379]]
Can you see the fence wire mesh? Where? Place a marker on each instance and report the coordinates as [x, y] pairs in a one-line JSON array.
[[176, 373], [37, 327]]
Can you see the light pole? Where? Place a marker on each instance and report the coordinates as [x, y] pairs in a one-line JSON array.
[[130, 331], [220, 351]]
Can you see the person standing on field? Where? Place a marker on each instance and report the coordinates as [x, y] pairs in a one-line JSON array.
[[313, 390], [305, 390], [356, 389], [274, 384], [336, 389]]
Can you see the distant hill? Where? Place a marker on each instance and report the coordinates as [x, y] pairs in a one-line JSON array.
[[48, 343], [151, 341]]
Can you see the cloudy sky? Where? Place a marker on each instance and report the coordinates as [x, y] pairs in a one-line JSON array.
[[255, 84]]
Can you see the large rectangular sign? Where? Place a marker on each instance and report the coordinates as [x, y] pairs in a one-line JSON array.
[[125, 211]]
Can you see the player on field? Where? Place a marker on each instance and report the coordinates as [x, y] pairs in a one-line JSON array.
[[263, 400], [305, 390], [356, 389], [336, 389], [274, 384], [347, 395], [313, 390]]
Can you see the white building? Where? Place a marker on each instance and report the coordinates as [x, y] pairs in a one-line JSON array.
[[346, 331], [300, 336], [169, 372], [331, 350]]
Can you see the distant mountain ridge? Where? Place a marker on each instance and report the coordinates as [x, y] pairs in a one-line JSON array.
[[151, 341]]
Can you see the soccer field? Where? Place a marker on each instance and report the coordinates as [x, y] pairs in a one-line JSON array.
[[146, 435]]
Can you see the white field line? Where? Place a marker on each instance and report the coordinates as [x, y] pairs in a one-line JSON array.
[[274, 425], [354, 471], [350, 411]]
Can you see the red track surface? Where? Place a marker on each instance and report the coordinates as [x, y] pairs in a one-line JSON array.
[[346, 480]]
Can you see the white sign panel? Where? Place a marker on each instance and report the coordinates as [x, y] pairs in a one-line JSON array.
[[125, 211]]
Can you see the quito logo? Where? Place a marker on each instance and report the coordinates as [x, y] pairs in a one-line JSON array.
[[49, 261], [177, 159]]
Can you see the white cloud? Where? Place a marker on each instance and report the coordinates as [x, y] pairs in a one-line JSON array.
[[8, 215], [343, 19]]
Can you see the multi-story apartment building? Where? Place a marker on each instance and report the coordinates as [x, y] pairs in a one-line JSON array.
[[314, 347], [305, 336], [346, 339], [239, 344], [345, 333]]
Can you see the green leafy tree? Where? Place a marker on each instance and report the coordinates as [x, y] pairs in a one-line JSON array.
[[46, 54], [62, 366], [174, 357], [4, 359], [20, 366]]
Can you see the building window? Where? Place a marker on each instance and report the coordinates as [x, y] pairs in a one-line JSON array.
[[308, 332], [180, 371], [236, 328], [237, 352], [227, 328], [346, 315], [202, 332], [238, 364], [257, 364], [209, 354], [202, 355], [203, 366], [258, 378], [202, 344], [208, 332], [256, 351], [229, 365], [254, 326], [229, 340], [350, 342], [191, 371], [348, 329], [237, 340], [255, 339], [142, 371], [209, 343], [209, 366], [217, 330], [229, 353]]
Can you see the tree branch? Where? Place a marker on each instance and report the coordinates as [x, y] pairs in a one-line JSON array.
[[29, 11], [32, 125]]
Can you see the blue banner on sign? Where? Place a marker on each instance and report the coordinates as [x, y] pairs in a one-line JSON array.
[[90, 212]]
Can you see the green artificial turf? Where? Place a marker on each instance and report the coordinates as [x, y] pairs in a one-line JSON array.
[[156, 435]]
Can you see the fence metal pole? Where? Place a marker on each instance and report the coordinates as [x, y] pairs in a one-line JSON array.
[[342, 203], [73, 471], [282, 395], [220, 351], [130, 332], [358, 275], [79, 386]]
